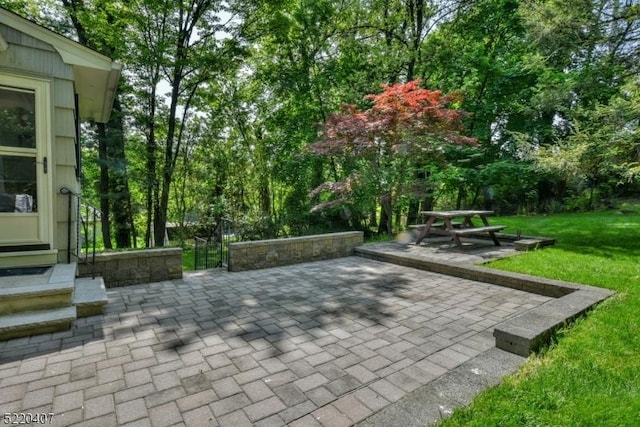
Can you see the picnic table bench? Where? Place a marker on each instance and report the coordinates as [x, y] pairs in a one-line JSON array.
[[447, 227]]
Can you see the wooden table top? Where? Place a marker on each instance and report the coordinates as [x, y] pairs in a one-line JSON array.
[[456, 213]]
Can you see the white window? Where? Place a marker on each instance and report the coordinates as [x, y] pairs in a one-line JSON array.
[[18, 155]]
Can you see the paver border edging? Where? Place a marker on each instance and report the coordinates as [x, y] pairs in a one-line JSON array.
[[528, 332], [436, 400]]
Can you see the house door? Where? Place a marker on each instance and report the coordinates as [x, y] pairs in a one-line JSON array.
[[25, 213]]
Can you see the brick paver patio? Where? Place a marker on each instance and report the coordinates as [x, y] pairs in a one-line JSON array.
[[326, 343]]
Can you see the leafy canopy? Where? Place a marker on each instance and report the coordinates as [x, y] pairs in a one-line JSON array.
[[406, 126], [404, 117]]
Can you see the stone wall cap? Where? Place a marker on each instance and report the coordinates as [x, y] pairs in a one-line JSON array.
[[285, 240], [138, 253]]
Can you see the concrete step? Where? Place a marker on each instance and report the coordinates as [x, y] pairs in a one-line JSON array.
[[36, 322], [527, 332], [27, 293], [47, 302], [29, 258], [532, 243], [90, 296]]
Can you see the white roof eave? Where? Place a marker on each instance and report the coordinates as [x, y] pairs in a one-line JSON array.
[[96, 91]]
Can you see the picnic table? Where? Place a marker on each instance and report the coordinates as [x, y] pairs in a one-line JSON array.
[[441, 223]]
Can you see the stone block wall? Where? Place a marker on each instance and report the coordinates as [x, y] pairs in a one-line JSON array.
[[276, 252], [135, 267]]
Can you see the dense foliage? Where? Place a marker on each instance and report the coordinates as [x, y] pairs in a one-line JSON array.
[[222, 102], [379, 151]]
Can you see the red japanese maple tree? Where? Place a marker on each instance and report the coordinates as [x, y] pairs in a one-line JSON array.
[[383, 143]]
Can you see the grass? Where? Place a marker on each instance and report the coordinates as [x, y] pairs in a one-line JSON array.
[[590, 375], [188, 258]]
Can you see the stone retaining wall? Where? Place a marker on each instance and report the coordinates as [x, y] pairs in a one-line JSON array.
[[276, 252], [135, 267]]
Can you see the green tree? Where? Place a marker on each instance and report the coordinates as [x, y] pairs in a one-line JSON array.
[[589, 46], [404, 122], [295, 82], [603, 149], [185, 45], [588, 50]]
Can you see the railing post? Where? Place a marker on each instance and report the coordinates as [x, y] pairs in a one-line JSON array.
[[66, 191], [206, 254], [70, 205], [93, 256], [226, 237], [195, 254], [220, 262], [91, 214], [86, 230]]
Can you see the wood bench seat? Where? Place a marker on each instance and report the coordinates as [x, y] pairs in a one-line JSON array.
[[485, 229]]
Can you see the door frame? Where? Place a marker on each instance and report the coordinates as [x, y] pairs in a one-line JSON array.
[[44, 137]]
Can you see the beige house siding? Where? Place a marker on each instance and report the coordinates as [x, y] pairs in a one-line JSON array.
[[11, 35], [28, 54], [64, 159], [31, 57], [65, 153]]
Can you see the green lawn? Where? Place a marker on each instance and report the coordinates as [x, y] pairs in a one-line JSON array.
[[590, 375], [188, 258]]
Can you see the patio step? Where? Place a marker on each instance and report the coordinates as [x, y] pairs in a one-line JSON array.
[[532, 243], [37, 303], [28, 258], [47, 302], [526, 333], [49, 290], [90, 296], [36, 322]]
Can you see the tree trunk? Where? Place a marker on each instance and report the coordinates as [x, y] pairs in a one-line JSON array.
[[151, 180], [413, 212], [119, 186], [160, 212], [461, 195], [415, 207], [103, 161], [373, 216], [386, 216], [265, 204]]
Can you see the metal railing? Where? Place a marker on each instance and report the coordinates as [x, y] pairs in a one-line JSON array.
[[213, 252], [87, 222]]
